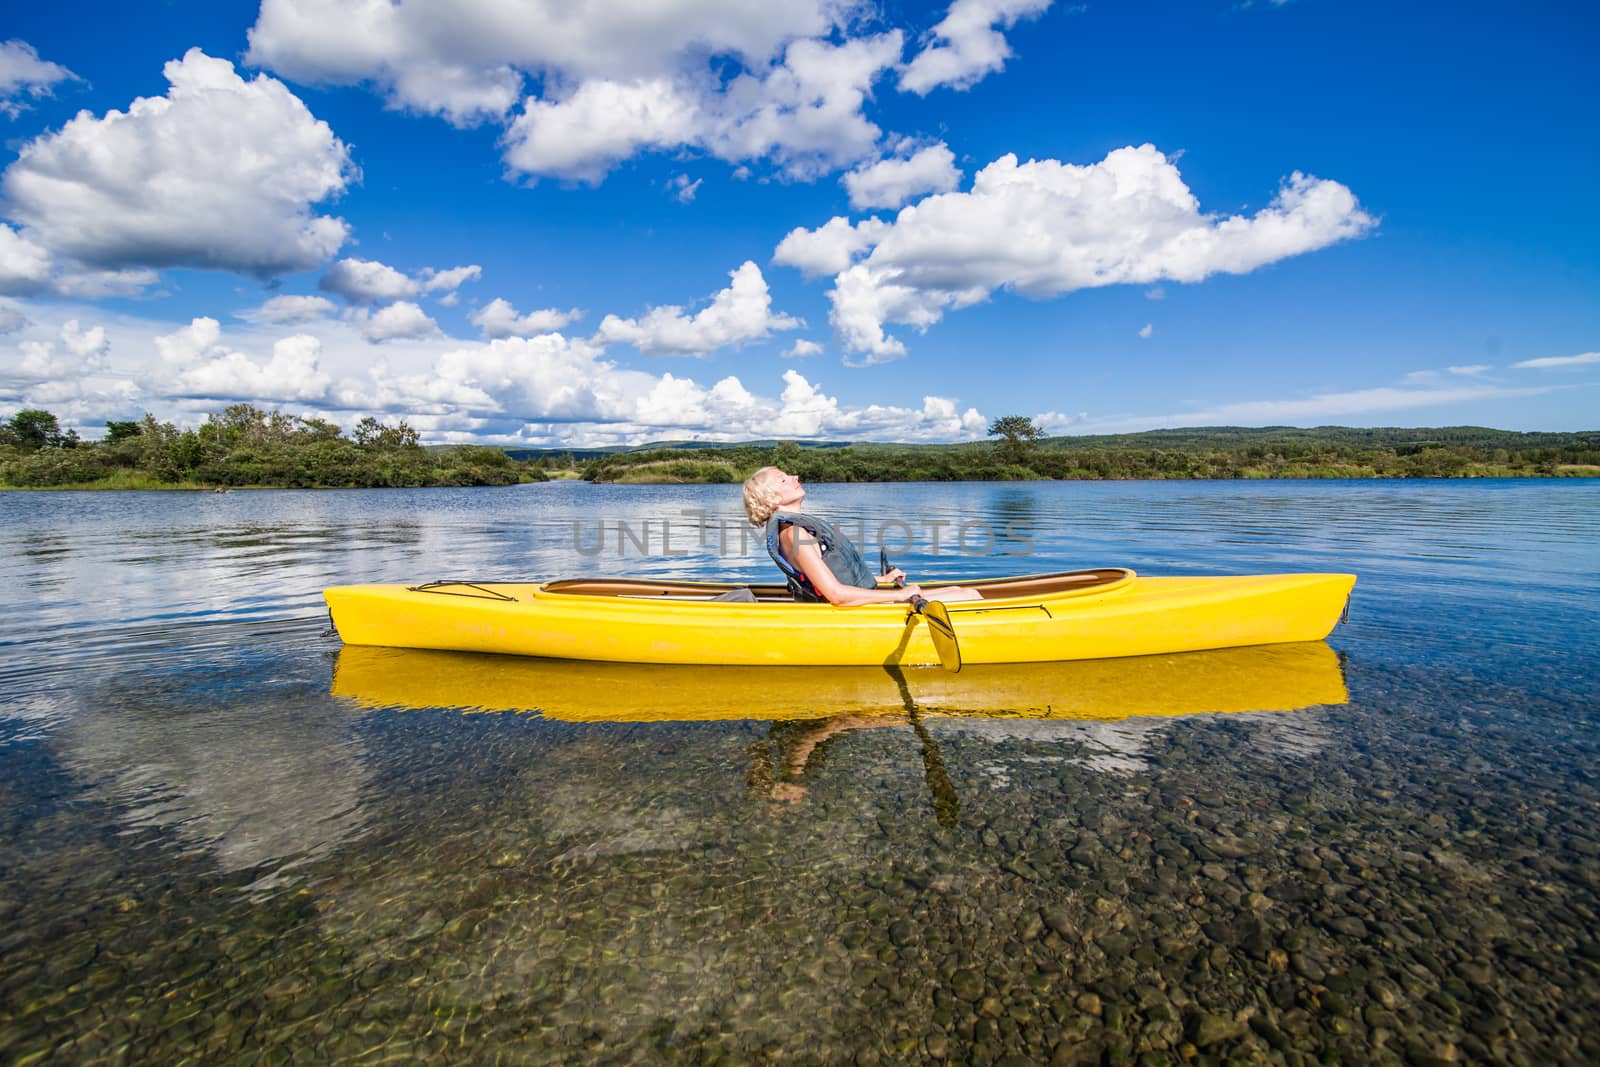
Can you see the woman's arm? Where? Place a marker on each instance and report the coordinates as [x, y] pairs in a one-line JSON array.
[[805, 554]]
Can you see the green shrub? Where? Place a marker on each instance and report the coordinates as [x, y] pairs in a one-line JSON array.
[[54, 466]]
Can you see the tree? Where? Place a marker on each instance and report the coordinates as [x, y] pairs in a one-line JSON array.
[[235, 423], [1018, 434], [315, 429], [33, 429], [786, 456], [370, 433], [246, 424], [122, 431]]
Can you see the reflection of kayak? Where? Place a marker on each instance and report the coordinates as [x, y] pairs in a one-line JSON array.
[[1269, 678], [1039, 618]]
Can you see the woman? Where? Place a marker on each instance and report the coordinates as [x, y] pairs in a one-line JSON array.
[[820, 562]]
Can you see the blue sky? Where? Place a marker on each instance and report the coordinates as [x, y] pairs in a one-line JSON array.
[[539, 223]]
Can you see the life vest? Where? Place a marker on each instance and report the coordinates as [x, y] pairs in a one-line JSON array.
[[840, 555]]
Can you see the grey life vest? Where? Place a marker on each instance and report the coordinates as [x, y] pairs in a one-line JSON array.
[[838, 553]]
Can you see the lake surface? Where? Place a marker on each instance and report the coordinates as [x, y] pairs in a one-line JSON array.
[[225, 840]]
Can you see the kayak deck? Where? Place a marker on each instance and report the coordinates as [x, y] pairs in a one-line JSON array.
[[1091, 614]]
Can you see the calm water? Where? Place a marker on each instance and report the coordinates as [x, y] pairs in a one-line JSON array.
[[213, 851]]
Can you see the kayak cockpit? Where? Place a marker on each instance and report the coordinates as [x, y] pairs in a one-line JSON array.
[[1031, 586], [662, 590]]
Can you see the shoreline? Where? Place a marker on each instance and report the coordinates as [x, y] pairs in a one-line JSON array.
[[243, 447], [189, 487]]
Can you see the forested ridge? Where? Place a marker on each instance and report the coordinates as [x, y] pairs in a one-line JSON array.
[[1222, 452]]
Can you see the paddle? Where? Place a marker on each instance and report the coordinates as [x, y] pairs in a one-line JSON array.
[[942, 632], [939, 627]]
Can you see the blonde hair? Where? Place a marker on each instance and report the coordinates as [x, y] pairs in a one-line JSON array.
[[760, 497]]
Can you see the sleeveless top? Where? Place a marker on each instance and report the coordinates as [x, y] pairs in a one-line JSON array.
[[840, 555]]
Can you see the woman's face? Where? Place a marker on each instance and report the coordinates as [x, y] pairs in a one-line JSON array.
[[787, 486]]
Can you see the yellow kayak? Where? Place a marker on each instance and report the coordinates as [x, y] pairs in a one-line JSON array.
[[1081, 615], [1270, 678]]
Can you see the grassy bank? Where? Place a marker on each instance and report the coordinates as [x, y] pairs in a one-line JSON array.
[[117, 479]]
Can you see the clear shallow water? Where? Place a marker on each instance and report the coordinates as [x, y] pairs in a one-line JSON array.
[[205, 854]]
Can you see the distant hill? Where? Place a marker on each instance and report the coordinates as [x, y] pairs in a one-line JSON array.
[[1392, 437], [1194, 438], [584, 455], [1197, 452]]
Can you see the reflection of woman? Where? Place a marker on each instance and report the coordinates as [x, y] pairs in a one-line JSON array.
[[819, 562], [779, 765], [793, 750]]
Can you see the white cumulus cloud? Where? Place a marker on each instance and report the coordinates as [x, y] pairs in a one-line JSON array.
[[742, 80], [554, 388], [547, 389], [289, 310], [831, 247], [448, 281], [24, 76], [1053, 422], [364, 282], [583, 136], [221, 174], [527, 378], [803, 349], [806, 408], [966, 44], [188, 343], [195, 363], [400, 320], [367, 282], [498, 318], [1044, 228], [804, 113], [1146, 330], [75, 353], [290, 374], [24, 265], [465, 61], [891, 183], [741, 312]]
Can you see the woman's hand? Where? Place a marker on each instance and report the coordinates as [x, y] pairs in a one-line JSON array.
[[895, 575]]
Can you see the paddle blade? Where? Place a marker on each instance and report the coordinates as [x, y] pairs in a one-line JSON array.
[[943, 634]]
